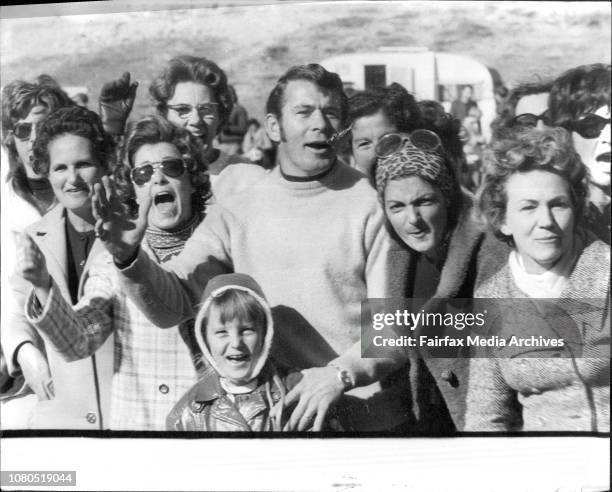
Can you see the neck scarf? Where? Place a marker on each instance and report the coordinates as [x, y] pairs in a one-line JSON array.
[[549, 284]]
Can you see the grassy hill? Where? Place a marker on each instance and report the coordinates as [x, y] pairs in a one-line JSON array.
[[255, 44]]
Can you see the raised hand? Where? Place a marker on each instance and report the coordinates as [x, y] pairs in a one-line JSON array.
[[316, 393], [120, 234], [31, 263], [36, 371], [116, 101]]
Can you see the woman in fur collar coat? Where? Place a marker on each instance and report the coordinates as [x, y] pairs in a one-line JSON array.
[[441, 251]]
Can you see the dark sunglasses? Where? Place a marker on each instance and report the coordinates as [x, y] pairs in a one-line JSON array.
[[22, 130], [530, 119], [172, 167], [390, 143], [590, 126]]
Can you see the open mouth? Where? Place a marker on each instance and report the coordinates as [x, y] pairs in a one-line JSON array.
[[77, 189], [238, 359], [605, 157], [164, 202], [319, 146]]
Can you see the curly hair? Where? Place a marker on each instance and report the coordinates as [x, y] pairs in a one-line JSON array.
[[156, 129], [578, 91], [449, 130], [18, 99], [73, 120], [314, 73], [201, 70], [530, 149]]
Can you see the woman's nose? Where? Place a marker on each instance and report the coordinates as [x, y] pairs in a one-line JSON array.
[[158, 176], [32, 137], [194, 117], [73, 174], [545, 217]]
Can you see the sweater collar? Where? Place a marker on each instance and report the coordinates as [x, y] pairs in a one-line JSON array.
[[323, 180], [306, 179]]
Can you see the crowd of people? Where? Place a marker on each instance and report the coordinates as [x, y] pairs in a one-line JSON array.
[[197, 270]]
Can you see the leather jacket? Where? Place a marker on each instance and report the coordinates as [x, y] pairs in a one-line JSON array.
[[207, 406]]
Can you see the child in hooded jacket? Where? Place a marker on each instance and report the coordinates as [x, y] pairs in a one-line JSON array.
[[241, 390]]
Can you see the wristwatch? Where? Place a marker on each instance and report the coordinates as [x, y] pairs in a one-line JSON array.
[[345, 377]]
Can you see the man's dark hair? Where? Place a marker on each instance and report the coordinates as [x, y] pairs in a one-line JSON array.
[[314, 73]]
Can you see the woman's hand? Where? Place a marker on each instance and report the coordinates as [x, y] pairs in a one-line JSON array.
[[120, 235], [36, 371], [116, 101], [31, 263], [317, 392]]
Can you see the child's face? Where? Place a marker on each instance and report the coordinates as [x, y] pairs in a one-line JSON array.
[[235, 346]]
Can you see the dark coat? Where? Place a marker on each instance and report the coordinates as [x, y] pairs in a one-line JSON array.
[[474, 254]]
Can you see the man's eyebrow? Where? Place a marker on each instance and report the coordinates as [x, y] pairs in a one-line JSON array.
[[303, 106]]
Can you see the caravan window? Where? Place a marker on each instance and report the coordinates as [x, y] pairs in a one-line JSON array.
[[375, 76]]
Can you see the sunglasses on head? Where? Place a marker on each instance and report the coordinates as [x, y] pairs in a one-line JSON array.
[[22, 130], [206, 110], [422, 139], [590, 126], [172, 167]]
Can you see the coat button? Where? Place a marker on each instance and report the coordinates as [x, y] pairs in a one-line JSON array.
[[163, 389], [450, 377], [91, 417], [196, 406]]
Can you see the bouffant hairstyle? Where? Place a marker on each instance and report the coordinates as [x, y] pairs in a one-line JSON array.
[[18, 99], [530, 149], [503, 122], [192, 69], [156, 129], [73, 120], [397, 104], [314, 73], [578, 91]]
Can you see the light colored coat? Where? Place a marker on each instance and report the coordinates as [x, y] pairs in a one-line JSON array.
[[549, 394], [82, 389], [153, 367]]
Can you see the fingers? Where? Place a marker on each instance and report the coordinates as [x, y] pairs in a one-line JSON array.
[[319, 420], [31, 263], [124, 81], [143, 212]]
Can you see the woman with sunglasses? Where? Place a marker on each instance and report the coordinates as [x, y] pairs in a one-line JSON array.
[[444, 252], [533, 195], [579, 101], [73, 152], [153, 368], [27, 195]]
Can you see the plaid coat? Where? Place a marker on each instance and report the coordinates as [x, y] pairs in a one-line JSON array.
[[152, 367]]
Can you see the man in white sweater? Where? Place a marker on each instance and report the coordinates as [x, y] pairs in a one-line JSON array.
[[311, 232]]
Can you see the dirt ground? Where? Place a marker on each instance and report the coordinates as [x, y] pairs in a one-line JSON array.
[[255, 44]]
